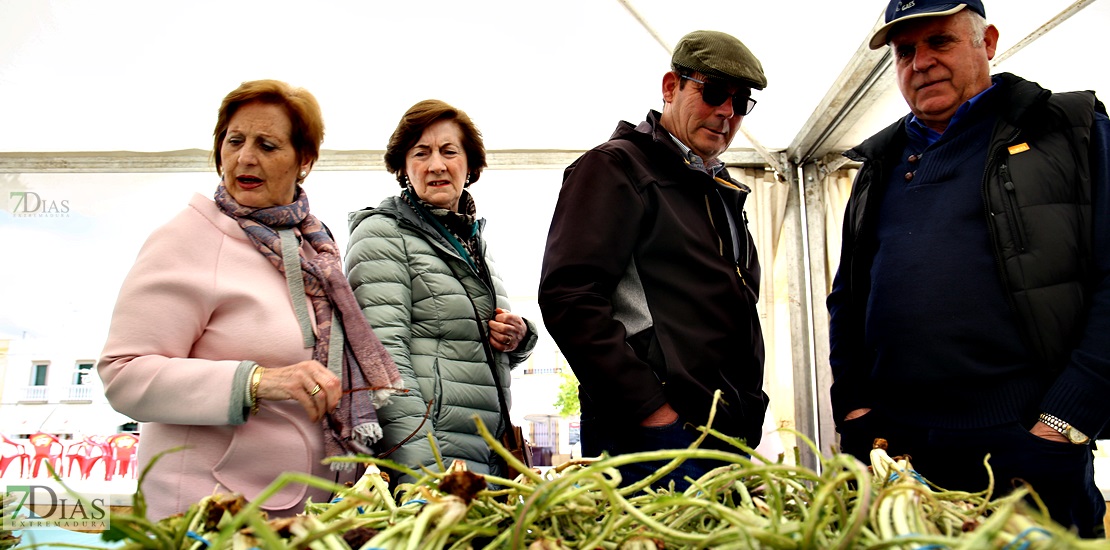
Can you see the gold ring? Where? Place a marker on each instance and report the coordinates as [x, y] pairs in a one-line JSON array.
[[315, 390]]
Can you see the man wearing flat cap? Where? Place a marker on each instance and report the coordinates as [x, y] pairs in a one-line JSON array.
[[971, 310], [650, 277]]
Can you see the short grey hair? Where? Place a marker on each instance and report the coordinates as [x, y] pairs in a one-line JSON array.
[[978, 27]]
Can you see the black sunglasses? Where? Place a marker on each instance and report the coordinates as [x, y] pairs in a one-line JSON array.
[[716, 94]]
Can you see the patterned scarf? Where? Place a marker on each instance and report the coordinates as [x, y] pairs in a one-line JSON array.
[[368, 373], [461, 225]]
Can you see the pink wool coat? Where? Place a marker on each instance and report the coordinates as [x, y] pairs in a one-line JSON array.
[[199, 302]]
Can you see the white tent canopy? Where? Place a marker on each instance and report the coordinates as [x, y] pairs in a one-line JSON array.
[[148, 76]]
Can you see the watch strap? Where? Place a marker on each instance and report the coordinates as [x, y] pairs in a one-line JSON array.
[[1055, 423], [1067, 430]]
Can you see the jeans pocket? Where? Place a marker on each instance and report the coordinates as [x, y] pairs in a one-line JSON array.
[[669, 436]]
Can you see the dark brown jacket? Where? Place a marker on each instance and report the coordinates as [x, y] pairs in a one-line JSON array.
[[646, 291]]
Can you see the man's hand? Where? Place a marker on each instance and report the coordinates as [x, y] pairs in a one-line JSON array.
[[1044, 431], [856, 413], [661, 417]]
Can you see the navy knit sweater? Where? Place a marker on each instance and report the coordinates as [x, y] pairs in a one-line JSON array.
[[938, 315]]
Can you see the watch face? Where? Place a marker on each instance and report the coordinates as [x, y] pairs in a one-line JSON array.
[[1076, 436]]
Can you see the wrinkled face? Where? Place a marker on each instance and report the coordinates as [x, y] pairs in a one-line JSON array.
[[939, 66], [705, 129], [260, 167], [436, 165]]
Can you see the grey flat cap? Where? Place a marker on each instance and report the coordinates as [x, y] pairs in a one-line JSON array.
[[719, 55]]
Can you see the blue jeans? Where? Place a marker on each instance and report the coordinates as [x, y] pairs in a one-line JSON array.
[[598, 436]]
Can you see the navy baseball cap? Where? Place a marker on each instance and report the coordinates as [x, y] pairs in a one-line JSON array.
[[898, 11]]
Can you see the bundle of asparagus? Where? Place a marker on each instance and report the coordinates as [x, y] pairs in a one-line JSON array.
[[748, 502]]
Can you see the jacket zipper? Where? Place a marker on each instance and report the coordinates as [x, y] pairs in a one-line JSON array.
[[450, 251], [483, 329], [998, 260], [1013, 212], [721, 242], [747, 242]]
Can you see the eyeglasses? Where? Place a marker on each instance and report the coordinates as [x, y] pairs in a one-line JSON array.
[[716, 94]]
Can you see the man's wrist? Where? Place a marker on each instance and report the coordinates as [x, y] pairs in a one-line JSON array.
[[1065, 429]]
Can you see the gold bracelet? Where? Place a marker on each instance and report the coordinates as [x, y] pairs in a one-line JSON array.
[[256, 378]]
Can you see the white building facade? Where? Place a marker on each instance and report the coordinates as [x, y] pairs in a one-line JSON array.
[[46, 388]]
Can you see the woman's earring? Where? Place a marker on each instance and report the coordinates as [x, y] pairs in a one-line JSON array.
[[304, 174], [405, 179], [467, 180]]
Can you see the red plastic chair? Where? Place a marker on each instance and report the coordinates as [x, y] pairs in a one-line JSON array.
[[109, 460], [85, 453], [9, 451], [48, 448], [123, 449]]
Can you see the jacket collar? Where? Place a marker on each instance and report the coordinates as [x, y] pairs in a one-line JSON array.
[[395, 207], [651, 133], [1018, 99], [1021, 98]]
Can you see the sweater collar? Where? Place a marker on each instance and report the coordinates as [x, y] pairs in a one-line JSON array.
[[919, 132], [711, 166]]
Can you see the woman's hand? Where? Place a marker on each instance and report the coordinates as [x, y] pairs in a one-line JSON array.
[[299, 382], [506, 331]]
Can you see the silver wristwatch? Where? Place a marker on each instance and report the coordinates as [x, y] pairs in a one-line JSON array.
[[1069, 431]]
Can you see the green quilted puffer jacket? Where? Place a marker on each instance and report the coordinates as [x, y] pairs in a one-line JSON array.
[[403, 273]]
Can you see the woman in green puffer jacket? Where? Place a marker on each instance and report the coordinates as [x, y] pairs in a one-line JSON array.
[[420, 271]]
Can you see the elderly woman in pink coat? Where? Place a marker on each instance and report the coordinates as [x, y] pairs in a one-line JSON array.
[[236, 335]]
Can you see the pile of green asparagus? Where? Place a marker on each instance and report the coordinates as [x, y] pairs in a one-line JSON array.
[[748, 502]]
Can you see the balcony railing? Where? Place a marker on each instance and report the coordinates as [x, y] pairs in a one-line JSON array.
[[34, 393], [82, 392]]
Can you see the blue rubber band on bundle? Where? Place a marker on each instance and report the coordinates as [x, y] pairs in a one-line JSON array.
[[337, 500], [1020, 544], [197, 537]]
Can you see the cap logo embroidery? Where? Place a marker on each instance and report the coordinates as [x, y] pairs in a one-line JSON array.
[[906, 6]]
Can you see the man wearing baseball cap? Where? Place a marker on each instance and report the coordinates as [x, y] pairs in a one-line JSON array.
[[971, 308], [650, 276]]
